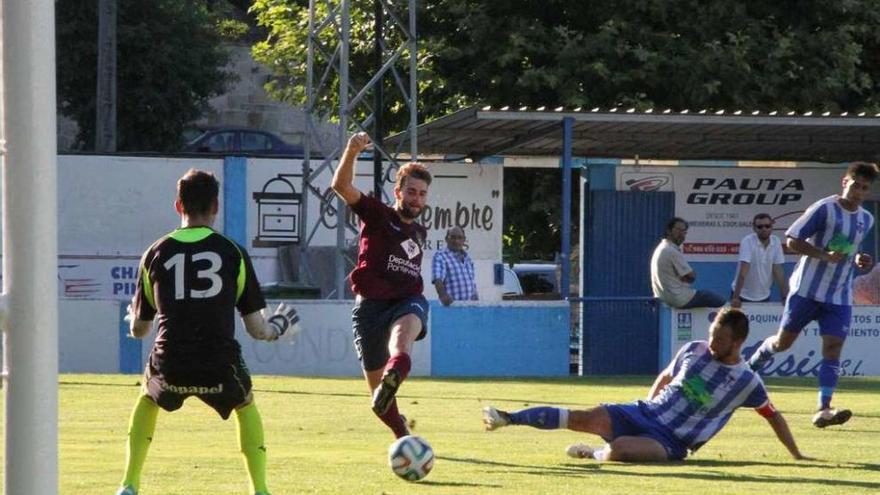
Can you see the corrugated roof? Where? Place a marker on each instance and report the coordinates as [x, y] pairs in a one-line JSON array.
[[625, 133]]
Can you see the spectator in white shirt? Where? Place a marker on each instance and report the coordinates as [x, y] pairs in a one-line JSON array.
[[760, 262]]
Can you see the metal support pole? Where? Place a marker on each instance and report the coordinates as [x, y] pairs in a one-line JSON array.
[[567, 124], [379, 99], [105, 103], [30, 347], [413, 83], [345, 29]]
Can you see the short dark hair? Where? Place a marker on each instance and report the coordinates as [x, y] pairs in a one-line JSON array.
[[760, 216], [415, 170], [671, 224], [735, 319], [865, 170], [197, 190]]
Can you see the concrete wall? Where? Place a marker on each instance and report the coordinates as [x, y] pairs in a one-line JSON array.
[[472, 339], [508, 339]]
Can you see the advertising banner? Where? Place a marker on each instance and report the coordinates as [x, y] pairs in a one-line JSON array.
[[720, 202], [467, 196], [111, 208], [861, 353]]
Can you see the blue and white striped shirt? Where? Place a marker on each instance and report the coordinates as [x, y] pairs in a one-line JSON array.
[[827, 225], [703, 394], [457, 274]]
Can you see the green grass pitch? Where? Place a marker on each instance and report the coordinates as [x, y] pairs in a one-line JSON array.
[[323, 439]]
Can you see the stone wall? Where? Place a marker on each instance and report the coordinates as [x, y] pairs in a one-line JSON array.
[[245, 104]]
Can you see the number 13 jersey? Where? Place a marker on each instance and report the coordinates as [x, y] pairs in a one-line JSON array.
[[194, 279]]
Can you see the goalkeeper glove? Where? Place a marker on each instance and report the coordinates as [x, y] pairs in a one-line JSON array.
[[285, 321]]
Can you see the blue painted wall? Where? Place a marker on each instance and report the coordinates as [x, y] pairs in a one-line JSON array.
[[130, 360], [718, 276], [504, 340]]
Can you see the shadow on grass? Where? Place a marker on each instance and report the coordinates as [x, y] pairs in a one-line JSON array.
[[528, 468], [684, 470], [460, 484], [719, 475]]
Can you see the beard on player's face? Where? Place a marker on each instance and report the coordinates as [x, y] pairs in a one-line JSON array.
[[410, 212]]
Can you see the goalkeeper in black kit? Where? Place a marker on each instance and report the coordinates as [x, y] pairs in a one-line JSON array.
[[193, 280]]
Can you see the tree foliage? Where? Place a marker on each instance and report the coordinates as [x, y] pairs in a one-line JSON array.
[[688, 54], [169, 63], [791, 54], [654, 53]]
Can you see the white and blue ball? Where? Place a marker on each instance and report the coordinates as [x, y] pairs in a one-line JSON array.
[[411, 457]]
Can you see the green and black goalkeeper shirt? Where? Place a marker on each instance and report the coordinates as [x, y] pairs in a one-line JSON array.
[[194, 278]]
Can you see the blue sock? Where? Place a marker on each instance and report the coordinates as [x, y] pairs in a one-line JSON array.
[[762, 355], [545, 418], [829, 369]]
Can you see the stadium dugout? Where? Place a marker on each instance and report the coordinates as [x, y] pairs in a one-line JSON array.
[[616, 292]]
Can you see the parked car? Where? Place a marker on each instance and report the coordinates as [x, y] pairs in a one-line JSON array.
[[538, 278], [511, 286], [525, 279], [240, 140]]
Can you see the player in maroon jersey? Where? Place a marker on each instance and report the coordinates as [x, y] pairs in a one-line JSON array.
[[390, 312]]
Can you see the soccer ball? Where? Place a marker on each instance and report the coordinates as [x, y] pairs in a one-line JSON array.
[[411, 457]]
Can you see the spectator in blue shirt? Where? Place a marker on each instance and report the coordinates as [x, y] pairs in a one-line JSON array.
[[452, 270]]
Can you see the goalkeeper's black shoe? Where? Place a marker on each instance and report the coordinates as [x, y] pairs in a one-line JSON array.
[[385, 392]]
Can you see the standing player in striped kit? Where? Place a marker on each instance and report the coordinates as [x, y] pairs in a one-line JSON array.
[[827, 236], [690, 401]]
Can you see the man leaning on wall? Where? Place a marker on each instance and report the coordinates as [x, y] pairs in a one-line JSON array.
[[760, 262], [452, 270]]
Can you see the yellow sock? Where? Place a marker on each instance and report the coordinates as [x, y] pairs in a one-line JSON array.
[[251, 442], [140, 434]]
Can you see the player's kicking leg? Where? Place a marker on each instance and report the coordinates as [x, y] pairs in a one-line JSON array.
[[404, 332], [635, 447]]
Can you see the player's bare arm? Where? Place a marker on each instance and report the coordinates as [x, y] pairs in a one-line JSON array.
[[343, 179], [783, 433], [138, 329], [805, 248], [660, 383]]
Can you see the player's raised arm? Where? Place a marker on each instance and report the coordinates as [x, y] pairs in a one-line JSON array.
[[780, 427], [343, 179]]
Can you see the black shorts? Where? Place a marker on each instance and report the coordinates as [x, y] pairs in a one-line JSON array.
[[371, 325], [223, 387]]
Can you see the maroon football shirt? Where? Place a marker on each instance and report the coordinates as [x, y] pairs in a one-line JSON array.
[[389, 264]]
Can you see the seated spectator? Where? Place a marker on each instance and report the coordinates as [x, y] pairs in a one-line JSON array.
[[672, 276]]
